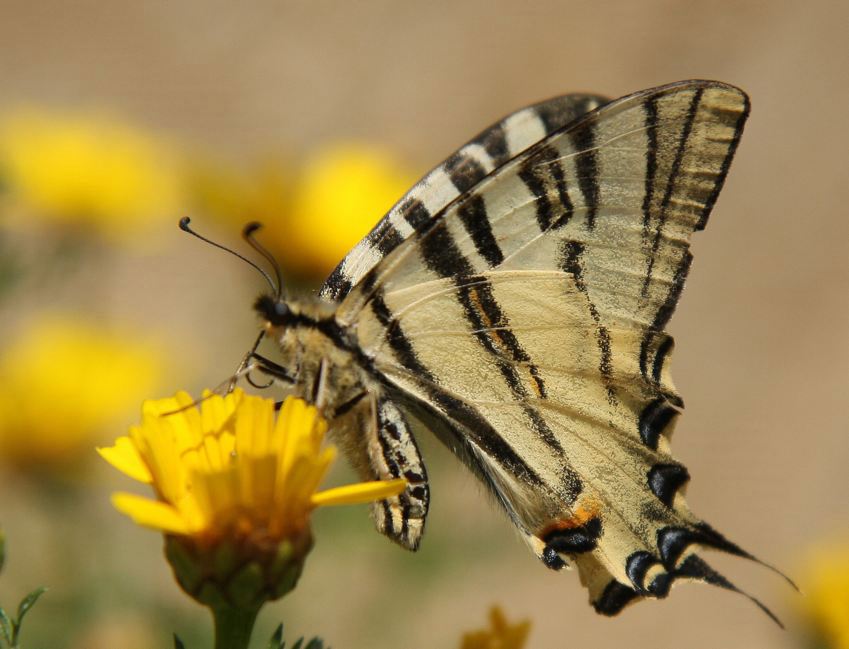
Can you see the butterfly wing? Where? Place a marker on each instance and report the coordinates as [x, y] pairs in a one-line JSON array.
[[391, 450], [524, 322], [466, 167]]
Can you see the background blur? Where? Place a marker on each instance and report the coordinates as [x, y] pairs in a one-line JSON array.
[[118, 118]]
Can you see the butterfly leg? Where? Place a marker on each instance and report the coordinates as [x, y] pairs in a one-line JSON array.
[[275, 371]]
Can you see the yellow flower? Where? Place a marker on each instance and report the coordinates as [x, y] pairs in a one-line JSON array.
[[234, 486], [64, 382], [500, 635], [86, 170], [231, 466], [825, 603], [341, 194]]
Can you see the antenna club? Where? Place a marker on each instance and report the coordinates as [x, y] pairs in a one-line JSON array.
[[184, 226], [248, 235], [250, 228]]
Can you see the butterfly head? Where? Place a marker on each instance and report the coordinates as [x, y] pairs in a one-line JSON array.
[[273, 310]]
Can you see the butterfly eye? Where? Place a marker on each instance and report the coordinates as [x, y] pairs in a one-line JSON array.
[[273, 311]]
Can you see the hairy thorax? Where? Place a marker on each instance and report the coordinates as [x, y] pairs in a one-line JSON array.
[[317, 354]]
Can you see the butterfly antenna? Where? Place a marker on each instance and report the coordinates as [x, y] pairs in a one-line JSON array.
[[246, 361], [248, 235], [184, 226], [188, 406]]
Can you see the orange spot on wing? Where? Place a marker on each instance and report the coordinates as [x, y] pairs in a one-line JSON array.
[[581, 515]]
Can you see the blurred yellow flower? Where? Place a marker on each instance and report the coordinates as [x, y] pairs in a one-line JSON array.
[[314, 215], [64, 383], [341, 194], [231, 467], [825, 603], [86, 170], [500, 635]]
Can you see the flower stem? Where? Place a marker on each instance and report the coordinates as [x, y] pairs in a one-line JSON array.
[[233, 626]]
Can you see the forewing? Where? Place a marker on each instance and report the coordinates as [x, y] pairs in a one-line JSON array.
[[528, 317], [466, 167]]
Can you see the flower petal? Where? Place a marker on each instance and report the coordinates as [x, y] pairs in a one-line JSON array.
[[125, 457], [362, 492], [150, 513]]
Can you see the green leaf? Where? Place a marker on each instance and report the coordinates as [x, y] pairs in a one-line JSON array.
[[6, 626], [178, 644], [27, 603], [276, 641], [298, 644], [315, 643]]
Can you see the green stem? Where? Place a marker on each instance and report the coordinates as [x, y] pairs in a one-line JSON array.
[[233, 627]]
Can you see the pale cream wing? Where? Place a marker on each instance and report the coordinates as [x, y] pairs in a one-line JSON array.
[[524, 322]]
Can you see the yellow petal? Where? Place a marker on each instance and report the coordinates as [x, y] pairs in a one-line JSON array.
[[125, 457], [150, 513], [359, 493]]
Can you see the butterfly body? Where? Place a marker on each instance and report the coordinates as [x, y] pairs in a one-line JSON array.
[[323, 363], [515, 303]]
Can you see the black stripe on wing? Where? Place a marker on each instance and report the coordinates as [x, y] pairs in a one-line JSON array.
[[488, 320], [670, 186], [570, 263], [650, 112], [586, 167], [449, 406], [472, 213], [543, 175]]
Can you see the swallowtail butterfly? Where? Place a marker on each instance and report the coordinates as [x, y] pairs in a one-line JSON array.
[[515, 303]]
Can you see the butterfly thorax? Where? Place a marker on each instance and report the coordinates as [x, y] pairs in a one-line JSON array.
[[316, 352]]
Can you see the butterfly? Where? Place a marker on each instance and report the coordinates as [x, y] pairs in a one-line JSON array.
[[514, 302]]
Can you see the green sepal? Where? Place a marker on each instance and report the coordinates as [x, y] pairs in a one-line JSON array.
[[183, 562], [245, 588], [178, 644], [223, 560], [287, 566]]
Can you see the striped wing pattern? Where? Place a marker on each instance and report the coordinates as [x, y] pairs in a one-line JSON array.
[[487, 151], [521, 316]]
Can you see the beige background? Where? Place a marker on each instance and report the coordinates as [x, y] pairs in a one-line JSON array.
[[762, 330]]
